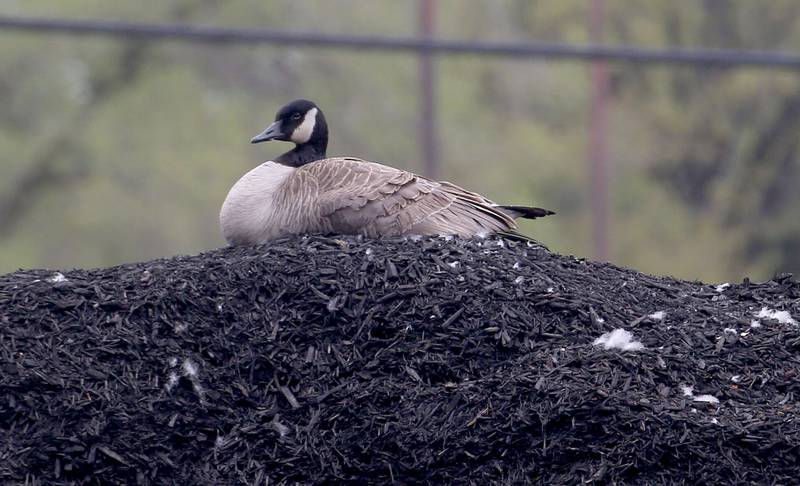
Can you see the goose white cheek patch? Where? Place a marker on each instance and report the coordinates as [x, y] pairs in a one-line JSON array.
[[302, 133]]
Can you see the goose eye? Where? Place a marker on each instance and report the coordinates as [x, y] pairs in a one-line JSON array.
[[296, 116]]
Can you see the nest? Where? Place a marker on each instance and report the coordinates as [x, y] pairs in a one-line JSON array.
[[416, 361]]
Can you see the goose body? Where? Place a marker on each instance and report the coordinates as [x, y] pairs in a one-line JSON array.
[[303, 191]]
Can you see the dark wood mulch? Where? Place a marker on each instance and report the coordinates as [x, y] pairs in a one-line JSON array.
[[343, 360]]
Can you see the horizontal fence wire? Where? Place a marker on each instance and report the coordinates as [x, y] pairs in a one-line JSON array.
[[222, 35]]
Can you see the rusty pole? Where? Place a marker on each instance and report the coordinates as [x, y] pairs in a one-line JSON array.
[[428, 135], [598, 139]]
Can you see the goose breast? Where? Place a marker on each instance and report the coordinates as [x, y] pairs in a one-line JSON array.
[[255, 209]]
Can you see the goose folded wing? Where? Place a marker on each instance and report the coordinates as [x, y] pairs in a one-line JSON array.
[[372, 199]]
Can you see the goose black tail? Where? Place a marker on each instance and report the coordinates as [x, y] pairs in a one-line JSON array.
[[526, 212]]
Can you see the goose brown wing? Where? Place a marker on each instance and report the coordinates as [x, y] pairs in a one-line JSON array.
[[491, 213], [355, 196]]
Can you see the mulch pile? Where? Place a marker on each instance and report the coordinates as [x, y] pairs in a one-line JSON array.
[[344, 360]]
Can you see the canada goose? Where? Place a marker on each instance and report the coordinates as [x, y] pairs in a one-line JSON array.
[[302, 191]]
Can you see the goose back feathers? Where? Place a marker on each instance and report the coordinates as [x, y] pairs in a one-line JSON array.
[[294, 195]]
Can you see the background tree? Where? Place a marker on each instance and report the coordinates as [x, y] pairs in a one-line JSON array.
[[119, 150]]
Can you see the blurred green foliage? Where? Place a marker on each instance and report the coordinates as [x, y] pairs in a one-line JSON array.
[[117, 151]]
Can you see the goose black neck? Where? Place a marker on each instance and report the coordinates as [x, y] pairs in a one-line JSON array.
[[313, 149], [303, 154]]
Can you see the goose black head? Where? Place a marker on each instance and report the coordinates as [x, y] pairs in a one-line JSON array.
[[303, 123]]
